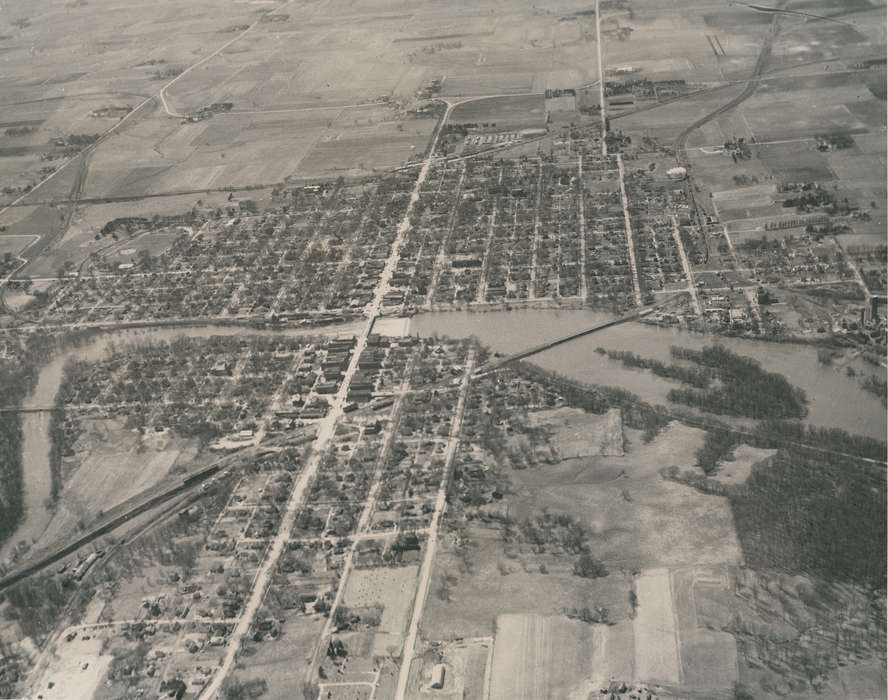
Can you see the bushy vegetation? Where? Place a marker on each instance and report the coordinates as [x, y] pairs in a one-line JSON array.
[[717, 445], [743, 387], [722, 382], [588, 566], [11, 506], [82, 139], [36, 604], [235, 689], [700, 377], [876, 386], [820, 515], [774, 434]]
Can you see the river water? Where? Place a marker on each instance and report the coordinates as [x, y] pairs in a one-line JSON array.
[[835, 400]]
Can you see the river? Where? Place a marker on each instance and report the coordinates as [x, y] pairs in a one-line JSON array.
[[36, 471], [835, 400]]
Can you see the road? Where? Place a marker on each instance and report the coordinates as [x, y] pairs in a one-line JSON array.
[[601, 79], [581, 200], [749, 89], [162, 93], [686, 265], [425, 574], [326, 430], [369, 505], [627, 222]]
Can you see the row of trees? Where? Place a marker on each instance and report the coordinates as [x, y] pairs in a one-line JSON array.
[[17, 375], [745, 388], [775, 434], [700, 377]]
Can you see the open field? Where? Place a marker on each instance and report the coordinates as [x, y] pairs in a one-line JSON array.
[[653, 527], [656, 644], [498, 584], [521, 112], [579, 434], [391, 589], [541, 657], [110, 465]]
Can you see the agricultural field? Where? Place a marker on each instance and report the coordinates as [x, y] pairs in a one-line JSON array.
[[540, 657]]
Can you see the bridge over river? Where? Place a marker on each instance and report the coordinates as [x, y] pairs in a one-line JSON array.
[[498, 362]]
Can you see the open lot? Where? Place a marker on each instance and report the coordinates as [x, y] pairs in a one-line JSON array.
[[393, 591], [576, 433], [281, 662], [109, 465]]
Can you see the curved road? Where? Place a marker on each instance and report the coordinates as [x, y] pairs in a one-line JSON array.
[[748, 91]]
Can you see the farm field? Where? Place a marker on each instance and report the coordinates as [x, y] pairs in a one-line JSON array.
[[656, 644], [538, 656]]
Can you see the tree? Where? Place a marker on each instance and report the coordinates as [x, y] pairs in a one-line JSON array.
[[589, 567], [741, 693], [342, 617]]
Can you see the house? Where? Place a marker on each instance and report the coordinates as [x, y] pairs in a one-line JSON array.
[[220, 369], [438, 673]]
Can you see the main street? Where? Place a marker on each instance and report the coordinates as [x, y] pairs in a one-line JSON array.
[[326, 430]]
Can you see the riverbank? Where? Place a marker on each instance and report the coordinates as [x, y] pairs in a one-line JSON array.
[[34, 479], [837, 400]]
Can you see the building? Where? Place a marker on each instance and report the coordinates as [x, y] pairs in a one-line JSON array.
[[438, 674]]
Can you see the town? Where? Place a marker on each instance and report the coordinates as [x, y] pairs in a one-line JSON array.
[[494, 351]]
